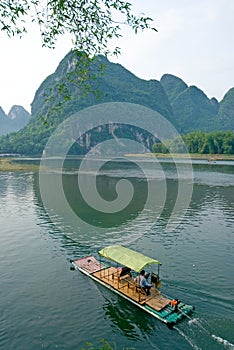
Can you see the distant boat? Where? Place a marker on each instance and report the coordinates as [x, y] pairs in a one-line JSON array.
[[120, 279]]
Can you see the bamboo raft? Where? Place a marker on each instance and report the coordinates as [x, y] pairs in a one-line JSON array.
[[156, 304]]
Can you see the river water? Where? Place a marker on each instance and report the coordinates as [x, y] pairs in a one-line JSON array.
[[44, 305]]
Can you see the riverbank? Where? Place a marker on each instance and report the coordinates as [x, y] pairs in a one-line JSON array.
[[16, 164], [10, 164], [208, 157]]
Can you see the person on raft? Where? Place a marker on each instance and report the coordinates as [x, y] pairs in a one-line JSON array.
[[143, 282], [174, 303]]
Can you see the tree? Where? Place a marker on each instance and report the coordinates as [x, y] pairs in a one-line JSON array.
[[216, 142], [91, 23]]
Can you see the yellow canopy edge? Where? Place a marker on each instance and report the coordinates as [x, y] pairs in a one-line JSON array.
[[127, 257]]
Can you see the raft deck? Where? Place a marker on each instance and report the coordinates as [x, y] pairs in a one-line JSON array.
[[125, 284], [157, 304]]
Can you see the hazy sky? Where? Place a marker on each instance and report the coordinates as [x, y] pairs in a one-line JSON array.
[[194, 42]]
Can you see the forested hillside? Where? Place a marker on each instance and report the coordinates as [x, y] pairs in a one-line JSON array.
[[62, 94]]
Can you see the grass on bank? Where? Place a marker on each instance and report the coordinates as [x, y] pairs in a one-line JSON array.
[[8, 164], [11, 164], [207, 157]]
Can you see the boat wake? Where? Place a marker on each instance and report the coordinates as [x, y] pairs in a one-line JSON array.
[[188, 339], [192, 321], [197, 322], [223, 342]]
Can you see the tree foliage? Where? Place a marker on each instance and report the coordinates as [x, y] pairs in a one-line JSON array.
[[217, 142], [105, 345], [91, 23]]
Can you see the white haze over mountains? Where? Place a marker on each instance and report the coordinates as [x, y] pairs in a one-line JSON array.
[[194, 42]]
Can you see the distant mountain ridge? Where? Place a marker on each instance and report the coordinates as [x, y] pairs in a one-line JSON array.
[[15, 120], [186, 107], [193, 110]]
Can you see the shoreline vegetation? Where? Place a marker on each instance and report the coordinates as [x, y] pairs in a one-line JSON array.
[[13, 164], [208, 157]]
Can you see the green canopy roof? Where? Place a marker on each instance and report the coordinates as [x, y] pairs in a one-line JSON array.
[[128, 257]]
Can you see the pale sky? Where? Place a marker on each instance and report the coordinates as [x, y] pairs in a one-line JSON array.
[[194, 42]]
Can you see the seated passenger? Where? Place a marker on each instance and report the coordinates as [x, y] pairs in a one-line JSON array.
[[143, 282], [138, 279], [154, 279], [125, 271], [174, 303], [147, 275]]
